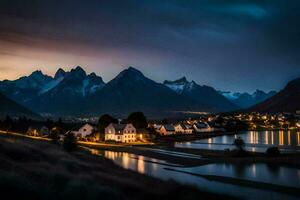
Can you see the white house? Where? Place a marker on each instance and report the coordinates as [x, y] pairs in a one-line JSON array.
[[183, 128], [167, 129], [201, 127], [179, 128], [188, 129], [120, 132], [84, 131]]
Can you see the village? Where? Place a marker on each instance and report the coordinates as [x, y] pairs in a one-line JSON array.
[[136, 129]]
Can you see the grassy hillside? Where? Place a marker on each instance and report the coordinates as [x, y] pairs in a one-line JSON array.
[[40, 170]]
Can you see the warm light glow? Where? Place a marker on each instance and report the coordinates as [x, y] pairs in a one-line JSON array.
[[267, 138], [125, 160], [272, 138], [281, 138], [141, 165], [253, 137]]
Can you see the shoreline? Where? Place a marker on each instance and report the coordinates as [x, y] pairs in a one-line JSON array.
[[38, 169], [208, 156]]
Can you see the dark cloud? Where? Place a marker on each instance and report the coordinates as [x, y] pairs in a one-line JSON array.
[[213, 41]]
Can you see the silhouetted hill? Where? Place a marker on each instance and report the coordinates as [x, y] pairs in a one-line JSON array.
[[287, 100]]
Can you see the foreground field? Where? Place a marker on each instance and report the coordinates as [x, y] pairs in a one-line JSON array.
[[33, 169]]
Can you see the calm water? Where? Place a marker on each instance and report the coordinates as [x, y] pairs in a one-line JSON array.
[[256, 172], [255, 141]]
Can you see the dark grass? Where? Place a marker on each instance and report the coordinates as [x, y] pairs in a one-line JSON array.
[[31, 169]]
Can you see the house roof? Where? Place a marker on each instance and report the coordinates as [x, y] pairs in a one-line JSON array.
[[201, 125], [187, 126], [184, 126], [119, 127], [169, 127]]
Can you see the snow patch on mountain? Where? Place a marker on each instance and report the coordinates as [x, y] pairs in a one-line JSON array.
[[180, 85], [175, 87], [230, 95]]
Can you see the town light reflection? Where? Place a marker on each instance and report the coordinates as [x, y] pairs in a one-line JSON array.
[[281, 138], [141, 165], [272, 138], [254, 137], [267, 137], [131, 161]]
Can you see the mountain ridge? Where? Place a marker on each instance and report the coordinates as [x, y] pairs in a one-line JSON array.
[[75, 92], [246, 100], [201, 93], [286, 100]]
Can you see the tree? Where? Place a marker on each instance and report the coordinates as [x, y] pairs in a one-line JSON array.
[[239, 143], [104, 121], [165, 121], [70, 142], [138, 120], [54, 136], [59, 123], [8, 123], [49, 123]]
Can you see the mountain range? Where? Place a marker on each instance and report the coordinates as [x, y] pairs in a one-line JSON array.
[[76, 93], [204, 94], [246, 100], [287, 100]]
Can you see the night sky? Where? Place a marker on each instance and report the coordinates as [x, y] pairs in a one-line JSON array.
[[230, 45]]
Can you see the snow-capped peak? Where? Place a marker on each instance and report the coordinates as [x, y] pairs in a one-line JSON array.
[[180, 85]]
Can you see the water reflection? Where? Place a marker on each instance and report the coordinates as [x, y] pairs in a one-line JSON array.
[[257, 172], [273, 174], [255, 141]]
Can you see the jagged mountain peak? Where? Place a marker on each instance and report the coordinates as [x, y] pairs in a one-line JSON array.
[[93, 74], [37, 73], [95, 78], [181, 80], [203, 94], [78, 72], [59, 73], [245, 99], [180, 85], [131, 73]]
